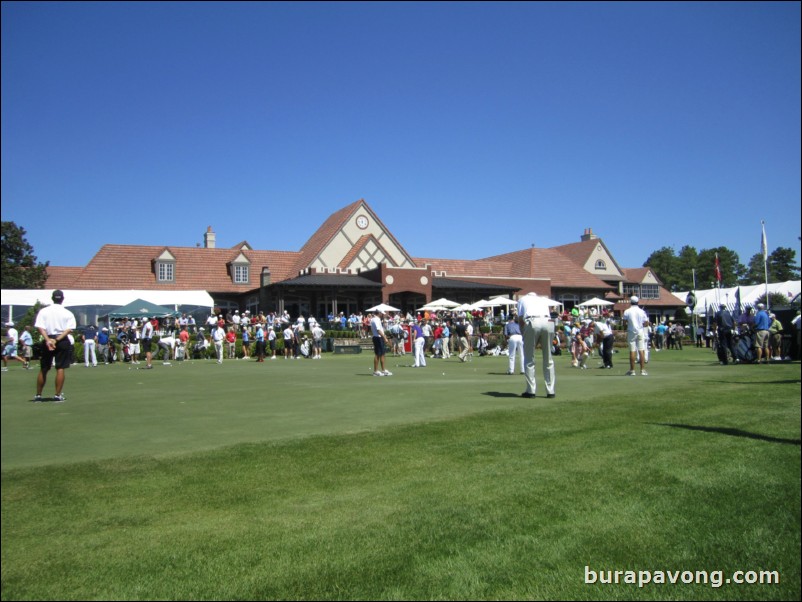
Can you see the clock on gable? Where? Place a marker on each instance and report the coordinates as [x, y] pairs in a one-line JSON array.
[[362, 222]]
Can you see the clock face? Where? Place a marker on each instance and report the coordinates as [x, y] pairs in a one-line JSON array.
[[362, 222]]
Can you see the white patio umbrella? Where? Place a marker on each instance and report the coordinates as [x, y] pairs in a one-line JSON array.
[[434, 307], [595, 302], [442, 301], [382, 307], [501, 300], [464, 307]]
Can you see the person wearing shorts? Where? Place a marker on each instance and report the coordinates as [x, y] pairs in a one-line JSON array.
[[379, 345], [54, 323], [637, 321]]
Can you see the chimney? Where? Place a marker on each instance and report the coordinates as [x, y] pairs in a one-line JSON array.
[[265, 276], [588, 235], [209, 239]]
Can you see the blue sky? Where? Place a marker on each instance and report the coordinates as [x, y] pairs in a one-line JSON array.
[[472, 129]]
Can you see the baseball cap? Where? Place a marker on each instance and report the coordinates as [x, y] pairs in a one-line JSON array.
[[58, 295], [634, 299]]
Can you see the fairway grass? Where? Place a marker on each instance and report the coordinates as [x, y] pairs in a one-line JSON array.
[[315, 480]]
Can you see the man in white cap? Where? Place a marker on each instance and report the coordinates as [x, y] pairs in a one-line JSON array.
[[54, 323], [534, 318], [637, 321], [10, 346], [762, 326], [379, 345]]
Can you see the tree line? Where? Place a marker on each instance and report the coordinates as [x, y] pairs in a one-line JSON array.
[[676, 270]]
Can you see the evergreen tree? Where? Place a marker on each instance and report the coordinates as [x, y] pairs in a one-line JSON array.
[[19, 267], [664, 264], [781, 267]]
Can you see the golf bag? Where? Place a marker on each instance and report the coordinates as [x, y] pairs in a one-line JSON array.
[[125, 348], [745, 348]]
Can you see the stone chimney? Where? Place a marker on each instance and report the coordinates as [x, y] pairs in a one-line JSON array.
[[209, 239], [588, 235]]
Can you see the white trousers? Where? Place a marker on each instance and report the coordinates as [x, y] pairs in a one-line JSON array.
[[538, 331], [515, 347], [420, 356], [89, 352]]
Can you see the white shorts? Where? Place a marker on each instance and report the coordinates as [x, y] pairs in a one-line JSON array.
[[637, 341]]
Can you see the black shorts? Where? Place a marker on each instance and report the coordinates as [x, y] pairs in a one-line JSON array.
[[62, 354], [378, 346], [145, 345]]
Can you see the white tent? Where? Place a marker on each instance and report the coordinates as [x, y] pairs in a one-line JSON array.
[[100, 302], [713, 297]]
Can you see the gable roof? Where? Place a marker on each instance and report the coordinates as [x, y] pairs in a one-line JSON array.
[[549, 264], [317, 242], [335, 223], [580, 252], [639, 274]]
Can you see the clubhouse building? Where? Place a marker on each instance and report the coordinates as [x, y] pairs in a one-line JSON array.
[[353, 262]]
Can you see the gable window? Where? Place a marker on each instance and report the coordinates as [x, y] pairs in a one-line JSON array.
[[649, 291], [241, 274], [165, 271], [600, 264]]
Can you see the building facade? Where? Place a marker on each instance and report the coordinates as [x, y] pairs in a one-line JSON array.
[[353, 261]]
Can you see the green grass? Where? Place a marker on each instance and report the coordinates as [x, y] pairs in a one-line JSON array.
[[315, 480]]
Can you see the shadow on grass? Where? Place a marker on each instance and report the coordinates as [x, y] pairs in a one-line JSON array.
[[501, 394], [791, 381], [731, 432]]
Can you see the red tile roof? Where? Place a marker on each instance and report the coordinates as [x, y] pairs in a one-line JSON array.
[[131, 267]]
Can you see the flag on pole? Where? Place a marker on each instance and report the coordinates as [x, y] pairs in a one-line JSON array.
[[737, 312], [763, 244], [718, 270]]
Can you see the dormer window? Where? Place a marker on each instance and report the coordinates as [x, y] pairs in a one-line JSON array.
[[165, 271], [241, 275], [164, 267], [240, 270], [600, 264]]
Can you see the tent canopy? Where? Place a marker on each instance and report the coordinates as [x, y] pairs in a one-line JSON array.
[[113, 298], [712, 298], [90, 304], [143, 308]]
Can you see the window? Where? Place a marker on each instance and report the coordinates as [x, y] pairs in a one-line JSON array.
[[649, 291], [165, 271], [600, 264], [631, 289], [240, 274]]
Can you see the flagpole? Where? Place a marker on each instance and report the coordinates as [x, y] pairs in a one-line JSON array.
[[765, 248], [693, 309]]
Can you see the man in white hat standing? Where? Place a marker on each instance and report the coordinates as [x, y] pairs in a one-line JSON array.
[[534, 318], [10, 347], [54, 323], [637, 322]]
